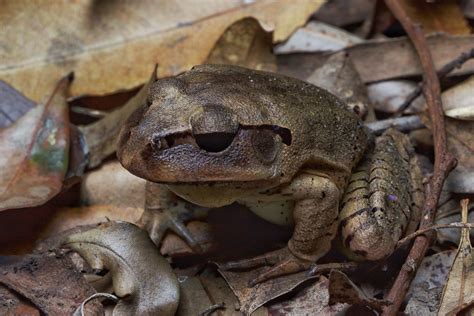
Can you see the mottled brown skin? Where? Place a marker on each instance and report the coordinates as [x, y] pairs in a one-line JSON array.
[[220, 134]]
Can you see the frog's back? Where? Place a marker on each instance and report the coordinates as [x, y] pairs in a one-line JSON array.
[[325, 133]]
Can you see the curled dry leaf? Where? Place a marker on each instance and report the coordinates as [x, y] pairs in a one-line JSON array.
[[317, 37], [343, 290], [101, 136], [251, 298], [113, 45], [142, 278], [245, 43], [35, 152], [50, 281], [339, 77], [388, 96], [459, 288], [312, 300]]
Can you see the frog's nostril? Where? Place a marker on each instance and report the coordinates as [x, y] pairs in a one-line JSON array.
[[214, 142]]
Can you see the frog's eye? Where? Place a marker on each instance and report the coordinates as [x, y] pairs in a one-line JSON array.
[[214, 142], [265, 145]]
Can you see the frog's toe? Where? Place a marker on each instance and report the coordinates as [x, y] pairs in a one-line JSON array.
[[283, 262], [157, 223]]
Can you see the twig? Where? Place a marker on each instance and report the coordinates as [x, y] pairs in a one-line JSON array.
[[404, 124], [443, 164], [446, 69], [434, 227]]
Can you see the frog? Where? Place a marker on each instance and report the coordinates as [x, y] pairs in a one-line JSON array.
[[291, 152]]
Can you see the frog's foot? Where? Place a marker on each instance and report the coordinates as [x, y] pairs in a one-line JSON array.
[[283, 262], [158, 221]]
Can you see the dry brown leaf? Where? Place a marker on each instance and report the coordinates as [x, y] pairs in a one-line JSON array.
[[251, 298], [50, 282], [113, 45], [425, 290], [312, 300], [378, 60], [35, 152], [458, 101], [142, 278], [459, 288], [437, 16], [245, 43], [101, 137], [343, 290]]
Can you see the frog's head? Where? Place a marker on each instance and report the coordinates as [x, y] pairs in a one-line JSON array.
[[203, 127]]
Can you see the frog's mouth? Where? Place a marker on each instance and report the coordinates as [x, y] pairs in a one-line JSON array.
[[213, 142]]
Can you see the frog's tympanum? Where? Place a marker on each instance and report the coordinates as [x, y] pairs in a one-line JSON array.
[[290, 151]]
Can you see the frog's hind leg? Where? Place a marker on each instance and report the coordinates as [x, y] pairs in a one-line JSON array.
[[165, 211], [382, 199]]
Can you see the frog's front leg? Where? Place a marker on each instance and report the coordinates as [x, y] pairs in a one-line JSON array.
[[165, 211], [316, 220]]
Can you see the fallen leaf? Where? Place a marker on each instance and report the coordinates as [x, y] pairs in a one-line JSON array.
[[449, 213], [14, 304], [385, 59], [112, 184], [49, 281], [193, 297], [35, 152], [425, 290], [339, 77], [343, 290], [13, 104], [437, 16], [245, 43], [101, 137], [251, 298], [113, 46], [317, 37], [312, 300], [123, 248], [459, 288]]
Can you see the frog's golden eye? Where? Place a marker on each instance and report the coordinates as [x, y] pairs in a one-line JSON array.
[[265, 145]]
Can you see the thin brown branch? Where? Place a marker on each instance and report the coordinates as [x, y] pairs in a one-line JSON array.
[[446, 69], [423, 231], [443, 164]]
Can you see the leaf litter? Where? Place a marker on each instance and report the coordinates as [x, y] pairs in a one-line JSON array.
[[374, 75]]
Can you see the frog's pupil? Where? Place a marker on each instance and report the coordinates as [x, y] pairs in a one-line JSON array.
[[214, 142]]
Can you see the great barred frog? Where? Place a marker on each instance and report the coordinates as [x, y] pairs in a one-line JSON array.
[[290, 151]]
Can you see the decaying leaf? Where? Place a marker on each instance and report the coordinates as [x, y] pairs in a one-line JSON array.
[[14, 304], [12, 104], [343, 290], [437, 16], [112, 46], [343, 12], [101, 136], [459, 288], [312, 300], [49, 281], [317, 37], [395, 58], [245, 43], [449, 213], [35, 152], [251, 298], [142, 278], [339, 77], [425, 290]]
